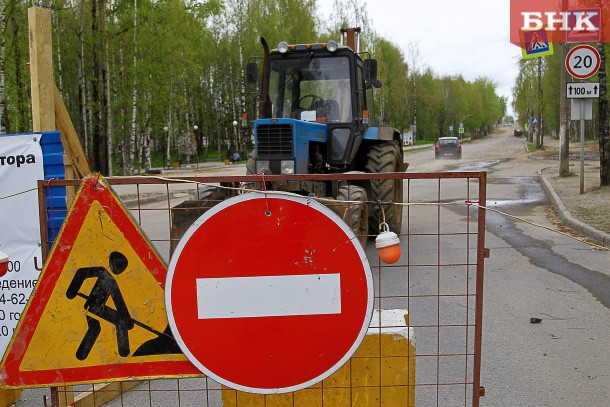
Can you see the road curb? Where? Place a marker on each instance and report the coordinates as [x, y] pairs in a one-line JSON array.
[[598, 236], [129, 201]]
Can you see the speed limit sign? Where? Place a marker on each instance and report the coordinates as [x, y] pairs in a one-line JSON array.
[[583, 61]]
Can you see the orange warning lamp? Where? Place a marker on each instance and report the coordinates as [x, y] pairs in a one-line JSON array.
[[3, 264], [387, 244]]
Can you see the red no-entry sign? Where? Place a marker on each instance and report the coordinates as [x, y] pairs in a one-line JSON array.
[[269, 293]]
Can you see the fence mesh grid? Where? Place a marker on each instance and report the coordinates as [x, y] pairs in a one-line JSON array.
[[438, 279]]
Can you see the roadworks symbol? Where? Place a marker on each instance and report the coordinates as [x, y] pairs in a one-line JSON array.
[[537, 44]]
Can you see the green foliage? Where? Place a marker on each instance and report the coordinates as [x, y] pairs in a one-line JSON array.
[[451, 100], [182, 62], [391, 99]]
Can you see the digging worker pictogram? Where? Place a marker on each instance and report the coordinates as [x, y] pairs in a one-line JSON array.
[[105, 287]]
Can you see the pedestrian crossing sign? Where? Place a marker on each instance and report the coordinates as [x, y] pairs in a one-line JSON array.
[[97, 313], [535, 44]]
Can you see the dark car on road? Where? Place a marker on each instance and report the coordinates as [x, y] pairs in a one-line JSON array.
[[448, 146]]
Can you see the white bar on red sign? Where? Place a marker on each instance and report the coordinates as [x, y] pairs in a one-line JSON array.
[[268, 296]]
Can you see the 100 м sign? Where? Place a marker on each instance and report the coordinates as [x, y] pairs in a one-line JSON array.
[[582, 90]]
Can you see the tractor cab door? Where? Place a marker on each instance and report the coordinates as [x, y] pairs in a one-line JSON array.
[[345, 138]]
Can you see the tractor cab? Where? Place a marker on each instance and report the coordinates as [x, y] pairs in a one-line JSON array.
[[313, 114]]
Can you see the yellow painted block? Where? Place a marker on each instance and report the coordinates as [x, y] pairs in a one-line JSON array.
[[310, 397], [380, 373]]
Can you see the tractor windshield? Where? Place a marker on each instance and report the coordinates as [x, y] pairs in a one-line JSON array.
[[311, 88]]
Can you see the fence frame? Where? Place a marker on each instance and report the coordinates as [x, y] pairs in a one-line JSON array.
[[233, 182]]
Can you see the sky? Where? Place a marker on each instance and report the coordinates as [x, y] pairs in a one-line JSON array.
[[466, 37]]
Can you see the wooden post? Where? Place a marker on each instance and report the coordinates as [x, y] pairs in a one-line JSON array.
[[48, 110], [41, 70]]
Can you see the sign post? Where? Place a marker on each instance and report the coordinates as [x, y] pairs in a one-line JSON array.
[[582, 148], [582, 62], [269, 293]]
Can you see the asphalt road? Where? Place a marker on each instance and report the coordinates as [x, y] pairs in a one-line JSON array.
[[532, 272]]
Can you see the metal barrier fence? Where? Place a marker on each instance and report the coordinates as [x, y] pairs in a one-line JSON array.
[[439, 280]]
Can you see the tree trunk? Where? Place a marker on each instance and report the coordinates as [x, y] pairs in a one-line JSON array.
[[145, 162], [107, 109], [564, 122], [168, 132], [2, 53], [23, 110], [168, 140], [122, 158], [98, 132], [604, 137], [539, 107], [134, 100], [95, 95], [242, 100], [82, 87]]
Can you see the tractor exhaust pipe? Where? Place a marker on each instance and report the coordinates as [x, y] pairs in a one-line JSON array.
[[265, 102]]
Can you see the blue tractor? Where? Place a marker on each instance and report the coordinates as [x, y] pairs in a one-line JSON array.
[[313, 118]]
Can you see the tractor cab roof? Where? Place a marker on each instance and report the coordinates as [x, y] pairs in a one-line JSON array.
[[330, 46]]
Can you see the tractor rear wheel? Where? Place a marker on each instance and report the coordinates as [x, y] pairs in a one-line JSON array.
[[385, 157], [250, 165], [355, 212]]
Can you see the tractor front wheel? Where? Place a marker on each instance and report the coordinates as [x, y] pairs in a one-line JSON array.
[[355, 212], [385, 157]]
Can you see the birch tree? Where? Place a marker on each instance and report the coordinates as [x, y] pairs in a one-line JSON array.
[[82, 87], [134, 101]]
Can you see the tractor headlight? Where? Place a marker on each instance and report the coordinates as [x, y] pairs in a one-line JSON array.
[[262, 167], [282, 47], [287, 167], [332, 45]]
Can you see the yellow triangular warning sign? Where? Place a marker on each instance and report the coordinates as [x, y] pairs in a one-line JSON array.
[[97, 313]]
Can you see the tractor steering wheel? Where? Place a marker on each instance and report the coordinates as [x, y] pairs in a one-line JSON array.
[[314, 99]]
